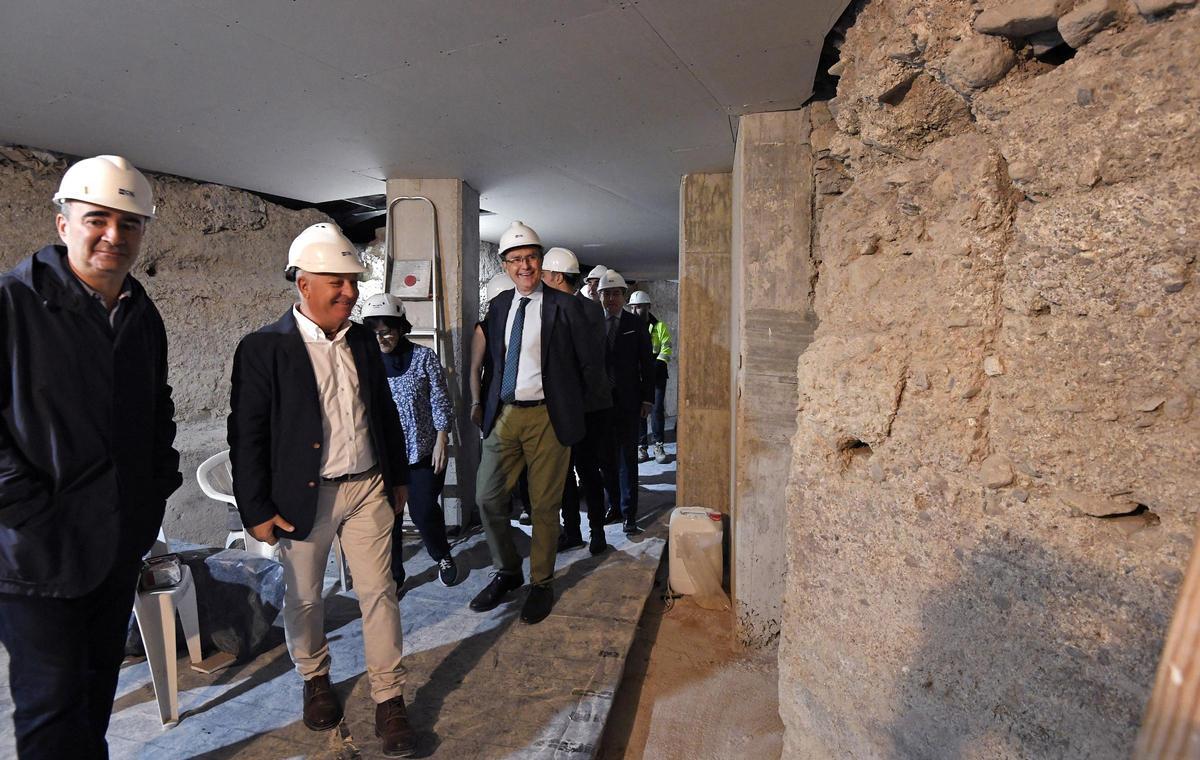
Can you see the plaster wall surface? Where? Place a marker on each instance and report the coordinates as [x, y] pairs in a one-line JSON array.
[[772, 324], [993, 476], [213, 263], [703, 340]]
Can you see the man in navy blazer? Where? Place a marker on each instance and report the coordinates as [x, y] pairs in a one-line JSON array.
[[546, 363], [318, 451], [630, 364]]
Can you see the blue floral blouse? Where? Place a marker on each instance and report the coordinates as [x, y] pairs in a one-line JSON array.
[[419, 390]]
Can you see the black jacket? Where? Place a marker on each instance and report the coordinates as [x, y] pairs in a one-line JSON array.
[[571, 368], [86, 441], [275, 429], [630, 364], [601, 397]]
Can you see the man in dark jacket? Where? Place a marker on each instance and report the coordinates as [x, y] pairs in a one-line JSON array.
[[593, 457], [630, 365], [318, 451], [86, 458], [546, 366]]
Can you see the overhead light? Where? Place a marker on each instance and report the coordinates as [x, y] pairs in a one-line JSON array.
[[593, 245]]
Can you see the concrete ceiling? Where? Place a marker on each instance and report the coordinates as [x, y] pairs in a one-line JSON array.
[[576, 116]]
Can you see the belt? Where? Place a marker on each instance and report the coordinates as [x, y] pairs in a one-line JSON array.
[[347, 476], [523, 404]]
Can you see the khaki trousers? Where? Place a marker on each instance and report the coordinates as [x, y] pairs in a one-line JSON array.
[[358, 511], [523, 437]]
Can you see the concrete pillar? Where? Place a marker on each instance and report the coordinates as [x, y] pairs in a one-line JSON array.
[[772, 273], [457, 206], [702, 428]]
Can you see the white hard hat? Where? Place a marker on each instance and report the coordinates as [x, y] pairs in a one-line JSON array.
[[382, 305], [108, 181], [611, 279], [322, 248], [561, 260], [498, 285], [639, 297], [597, 272], [518, 235]]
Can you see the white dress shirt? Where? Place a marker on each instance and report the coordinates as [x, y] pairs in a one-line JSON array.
[[346, 448], [529, 368]]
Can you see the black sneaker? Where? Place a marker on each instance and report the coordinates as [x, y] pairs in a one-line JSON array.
[[538, 604], [568, 541], [631, 528], [447, 571], [494, 592], [598, 545], [525, 519], [612, 517]]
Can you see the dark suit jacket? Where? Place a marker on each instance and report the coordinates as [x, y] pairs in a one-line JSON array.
[[571, 366], [630, 364], [602, 398], [275, 430]]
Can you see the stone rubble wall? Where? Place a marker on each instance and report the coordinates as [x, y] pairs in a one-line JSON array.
[[213, 263], [994, 479]]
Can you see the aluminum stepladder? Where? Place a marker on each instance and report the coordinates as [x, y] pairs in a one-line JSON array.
[[435, 336]]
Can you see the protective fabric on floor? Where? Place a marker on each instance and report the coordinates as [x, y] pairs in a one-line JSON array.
[[479, 684]]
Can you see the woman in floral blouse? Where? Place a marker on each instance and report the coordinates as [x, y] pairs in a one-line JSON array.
[[419, 390]]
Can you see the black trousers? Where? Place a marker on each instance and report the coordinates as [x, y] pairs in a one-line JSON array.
[[424, 487], [627, 428], [594, 459], [64, 659], [655, 424]]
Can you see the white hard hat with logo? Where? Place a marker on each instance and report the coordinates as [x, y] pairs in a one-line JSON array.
[[382, 305], [611, 279], [639, 297], [498, 285], [322, 248], [109, 181], [597, 272], [561, 260], [517, 235]]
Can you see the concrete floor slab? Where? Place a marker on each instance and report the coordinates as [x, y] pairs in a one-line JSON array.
[[480, 685]]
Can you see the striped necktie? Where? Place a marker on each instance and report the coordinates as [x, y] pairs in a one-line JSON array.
[[508, 383]]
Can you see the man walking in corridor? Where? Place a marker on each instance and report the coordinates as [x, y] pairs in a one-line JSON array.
[[318, 452], [86, 458], [546, 365]]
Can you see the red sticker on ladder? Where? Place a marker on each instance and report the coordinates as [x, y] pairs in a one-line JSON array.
[[410, 280]]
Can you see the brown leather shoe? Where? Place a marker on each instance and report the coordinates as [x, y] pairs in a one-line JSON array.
[[391, 725], [322, 711]]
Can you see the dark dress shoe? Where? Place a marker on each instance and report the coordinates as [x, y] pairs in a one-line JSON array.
[[391, 725], [494, 592], [631, 528], [598, 544], [322, 711], [612, 517], [538, 604], [568, 541]]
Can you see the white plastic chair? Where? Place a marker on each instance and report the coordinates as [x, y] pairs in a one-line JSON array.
[[215, 476], [155, 612]]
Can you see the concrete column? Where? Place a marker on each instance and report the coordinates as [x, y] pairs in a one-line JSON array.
[[702, 341], [772, 273], [457, 206]]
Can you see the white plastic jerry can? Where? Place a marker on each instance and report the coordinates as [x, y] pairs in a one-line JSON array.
[[695, 562]]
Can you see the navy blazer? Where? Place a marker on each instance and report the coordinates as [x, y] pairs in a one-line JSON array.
[[630, 364], [275, 430], [571, 362]]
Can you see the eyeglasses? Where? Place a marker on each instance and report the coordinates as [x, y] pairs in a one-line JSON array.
[[519, 260]]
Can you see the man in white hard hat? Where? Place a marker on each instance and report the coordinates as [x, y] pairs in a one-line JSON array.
[[630, 367], [86, 458], [592, 280], [660, 345], [318, 450], [546, 365], [593, 457]]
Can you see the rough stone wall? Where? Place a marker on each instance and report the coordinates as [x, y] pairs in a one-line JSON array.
[[994, 475], [213, 263]]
